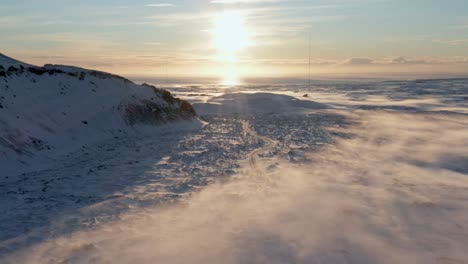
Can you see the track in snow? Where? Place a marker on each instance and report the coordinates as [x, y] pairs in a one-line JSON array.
[[254, 154]]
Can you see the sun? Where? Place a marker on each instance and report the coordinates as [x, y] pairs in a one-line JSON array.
[[230, 38], [230, 35]]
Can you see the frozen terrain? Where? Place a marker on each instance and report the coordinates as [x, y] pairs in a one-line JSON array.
[[53, 110], [369, 172]]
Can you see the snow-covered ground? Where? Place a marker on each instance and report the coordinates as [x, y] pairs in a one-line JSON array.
[[47, 112], [350, 173]]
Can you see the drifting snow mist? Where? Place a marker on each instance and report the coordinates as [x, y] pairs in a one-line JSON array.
[[395, 193]]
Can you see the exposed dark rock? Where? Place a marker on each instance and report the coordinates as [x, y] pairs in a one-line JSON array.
[[37, 70], [54, 71], [72, 74], [187, 108], [37, 143], [167, 96], [12, 69], [84, 122], [150, 112]]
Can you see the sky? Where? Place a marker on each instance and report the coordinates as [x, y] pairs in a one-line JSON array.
[[235, 39]]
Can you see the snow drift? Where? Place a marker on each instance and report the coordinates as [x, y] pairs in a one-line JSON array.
[[256, 103], [50, 110]]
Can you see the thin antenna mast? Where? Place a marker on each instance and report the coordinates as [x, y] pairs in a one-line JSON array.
[[310, 58], [167, 73]]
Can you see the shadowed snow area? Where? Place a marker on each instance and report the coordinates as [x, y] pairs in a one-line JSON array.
[[351, 173], [257, 103], [7, 62]]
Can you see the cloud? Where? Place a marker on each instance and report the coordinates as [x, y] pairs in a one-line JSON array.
[[359, 61], [178, 18], [424, 61], [9, 21], [152, 43], [244, 1], [399, 60], [402, 60], [451, 42], [161, 5]]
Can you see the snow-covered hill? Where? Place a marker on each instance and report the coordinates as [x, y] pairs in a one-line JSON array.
[[6, 62], [52, 110]]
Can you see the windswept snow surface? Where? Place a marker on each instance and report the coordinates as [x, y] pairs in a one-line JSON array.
[[350, 173]]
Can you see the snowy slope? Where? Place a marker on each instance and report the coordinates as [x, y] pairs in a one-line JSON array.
[[51, 110], [6, 62]]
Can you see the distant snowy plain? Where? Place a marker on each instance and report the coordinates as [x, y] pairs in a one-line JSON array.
[[368, 172]]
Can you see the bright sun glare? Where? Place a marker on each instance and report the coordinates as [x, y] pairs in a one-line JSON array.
[[230, 34], [230, 37]]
